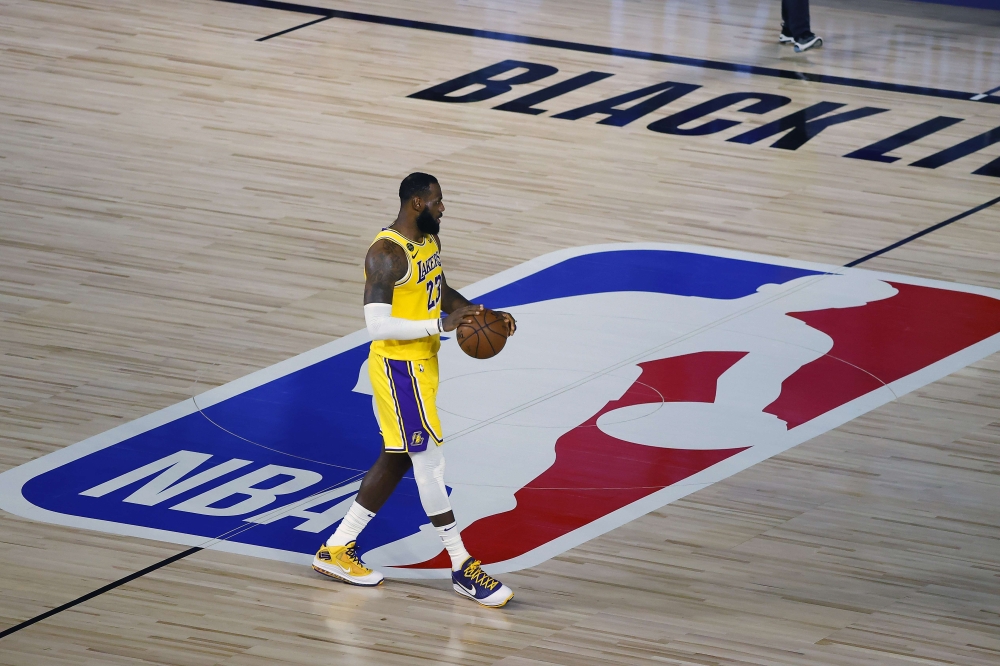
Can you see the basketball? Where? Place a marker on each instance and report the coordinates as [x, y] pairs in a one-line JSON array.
[[485, 337]]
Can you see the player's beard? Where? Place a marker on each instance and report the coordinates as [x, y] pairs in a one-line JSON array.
[[426, 222]]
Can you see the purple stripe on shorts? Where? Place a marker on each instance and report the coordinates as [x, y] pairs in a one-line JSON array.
[[415, 435]]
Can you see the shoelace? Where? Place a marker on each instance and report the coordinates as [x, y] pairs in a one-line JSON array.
[[480, 577], [352, 555]]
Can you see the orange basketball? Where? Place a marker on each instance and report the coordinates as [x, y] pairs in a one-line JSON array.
[[484, 337]]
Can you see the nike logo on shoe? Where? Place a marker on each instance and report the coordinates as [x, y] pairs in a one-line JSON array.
[[471, 590]]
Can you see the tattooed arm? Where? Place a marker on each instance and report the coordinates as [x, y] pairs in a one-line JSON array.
[[385, 265]]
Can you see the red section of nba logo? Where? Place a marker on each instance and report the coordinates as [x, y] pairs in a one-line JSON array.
[[881, 342], [594, 473]]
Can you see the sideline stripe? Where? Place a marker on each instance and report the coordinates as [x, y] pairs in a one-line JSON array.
[[102, 590], [924, 232], [298, 27], [989, 92], [621, 53]]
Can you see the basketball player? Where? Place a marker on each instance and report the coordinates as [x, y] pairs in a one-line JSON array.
[[405, 292]]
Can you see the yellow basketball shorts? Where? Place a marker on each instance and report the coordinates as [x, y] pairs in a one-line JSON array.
[[406, 402]]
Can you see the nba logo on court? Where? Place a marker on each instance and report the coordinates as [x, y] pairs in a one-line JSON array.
[[640, 373]]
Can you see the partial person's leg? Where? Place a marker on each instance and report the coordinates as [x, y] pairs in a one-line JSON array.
[[428, 471], [467, 577], [338, 557], [785, 36], [381, 479], [378, 484], [797, 25], [795, 16]]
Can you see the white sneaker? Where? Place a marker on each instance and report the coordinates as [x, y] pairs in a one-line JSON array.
[[807, 41]]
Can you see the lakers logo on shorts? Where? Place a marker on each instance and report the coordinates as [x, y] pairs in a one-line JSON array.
[[417, 440]]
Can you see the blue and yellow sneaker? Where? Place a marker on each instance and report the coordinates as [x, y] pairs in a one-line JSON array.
[[471, 581], [343, 563]]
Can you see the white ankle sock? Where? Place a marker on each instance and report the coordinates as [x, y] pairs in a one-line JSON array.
[[350, 527], [453, 542]]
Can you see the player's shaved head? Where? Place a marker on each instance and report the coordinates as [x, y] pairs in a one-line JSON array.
[[416, 185]]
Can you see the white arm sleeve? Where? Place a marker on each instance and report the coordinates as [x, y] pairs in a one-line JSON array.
[[383, 326]]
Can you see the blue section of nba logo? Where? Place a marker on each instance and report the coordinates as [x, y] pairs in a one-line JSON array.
[[310, 420], [659, 271], [272, 448]]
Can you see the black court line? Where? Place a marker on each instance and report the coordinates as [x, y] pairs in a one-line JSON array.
[[926, 231], [620, 53], [285, 32], [100, 591], [989, 92]]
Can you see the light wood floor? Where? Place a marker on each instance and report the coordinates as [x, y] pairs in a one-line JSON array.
[[181, 205]]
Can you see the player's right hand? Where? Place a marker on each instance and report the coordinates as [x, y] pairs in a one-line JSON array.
[[461, 316]]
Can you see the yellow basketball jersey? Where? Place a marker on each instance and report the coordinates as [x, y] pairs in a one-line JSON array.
[[417, 295]]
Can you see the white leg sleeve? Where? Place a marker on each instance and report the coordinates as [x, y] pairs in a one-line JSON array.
[[428, 470]]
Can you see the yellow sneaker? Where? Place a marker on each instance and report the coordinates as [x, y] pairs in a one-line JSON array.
[[343, 563]]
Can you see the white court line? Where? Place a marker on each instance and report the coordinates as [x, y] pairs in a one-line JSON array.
[[976, 98]]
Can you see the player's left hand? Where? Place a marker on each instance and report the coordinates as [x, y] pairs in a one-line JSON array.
[[511, 324]]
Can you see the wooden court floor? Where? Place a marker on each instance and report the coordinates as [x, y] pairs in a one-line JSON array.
[[181, 204]]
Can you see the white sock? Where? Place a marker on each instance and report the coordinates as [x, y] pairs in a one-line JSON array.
[[350, 527], [453, 542]]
